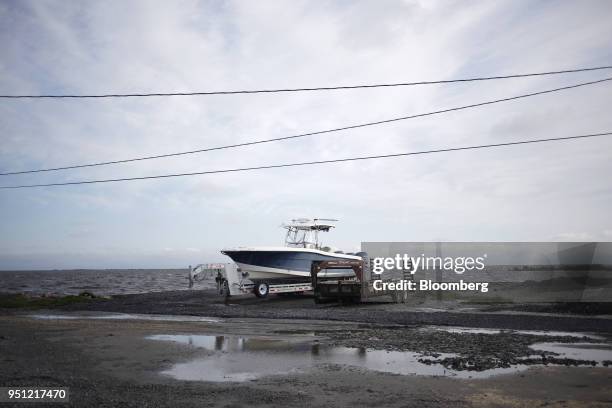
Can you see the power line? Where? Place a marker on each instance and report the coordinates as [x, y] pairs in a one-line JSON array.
[[277, 139], [322, 88], [276, 166]]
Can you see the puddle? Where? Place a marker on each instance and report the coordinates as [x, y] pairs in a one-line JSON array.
[[429, 309], [236, 358], [598, 352], [124, 316], [558, 333], [476, 330], [473, 330]]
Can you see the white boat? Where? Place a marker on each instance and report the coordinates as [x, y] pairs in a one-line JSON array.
[[292, 262]]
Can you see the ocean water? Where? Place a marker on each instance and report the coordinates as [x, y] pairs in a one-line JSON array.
[[101, 282], [516, 284]]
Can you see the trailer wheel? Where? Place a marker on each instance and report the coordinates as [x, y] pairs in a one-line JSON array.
[[262, 289]]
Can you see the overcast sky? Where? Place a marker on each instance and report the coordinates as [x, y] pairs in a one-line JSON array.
[[555, 191]]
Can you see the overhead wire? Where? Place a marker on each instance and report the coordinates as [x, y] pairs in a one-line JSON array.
[[302, 89], [309, 163], [302, 135]]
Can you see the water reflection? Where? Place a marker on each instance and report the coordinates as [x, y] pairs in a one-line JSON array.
[[240, 358]]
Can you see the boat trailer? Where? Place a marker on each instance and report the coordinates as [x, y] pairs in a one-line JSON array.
[[230, 281]]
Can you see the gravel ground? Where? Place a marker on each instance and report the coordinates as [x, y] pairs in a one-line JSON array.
[[111, 363], [207, 303]]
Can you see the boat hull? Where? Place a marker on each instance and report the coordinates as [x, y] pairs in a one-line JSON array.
[[284, 265]]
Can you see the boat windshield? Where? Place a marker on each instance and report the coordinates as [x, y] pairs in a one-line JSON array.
[[304, 233], [299, 238]]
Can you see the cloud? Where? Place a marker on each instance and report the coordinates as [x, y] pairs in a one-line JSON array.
[[517, 193]]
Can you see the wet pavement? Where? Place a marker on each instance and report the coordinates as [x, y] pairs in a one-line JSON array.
[[122, 316], [167, 360]]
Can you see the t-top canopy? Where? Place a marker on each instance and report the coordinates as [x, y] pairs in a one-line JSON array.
[[307, 224]]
